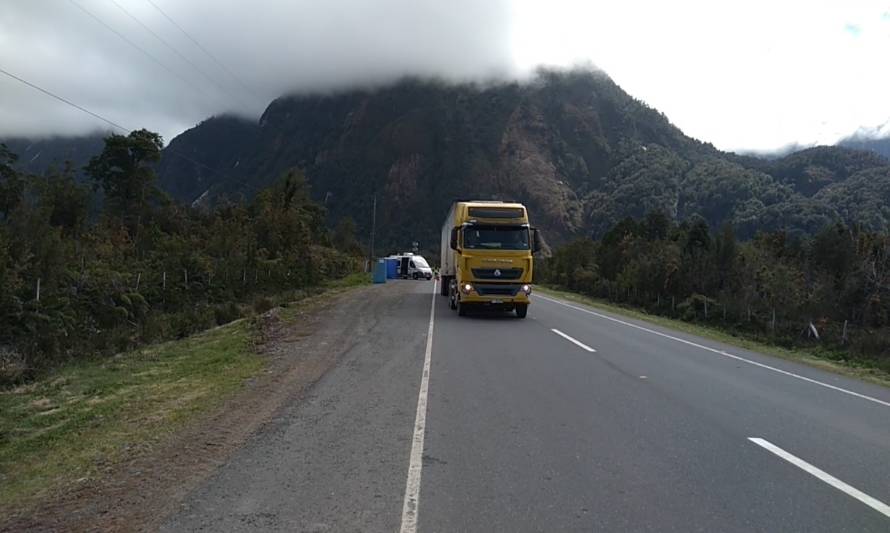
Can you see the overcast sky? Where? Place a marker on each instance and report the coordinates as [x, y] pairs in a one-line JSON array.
[[752, 75]]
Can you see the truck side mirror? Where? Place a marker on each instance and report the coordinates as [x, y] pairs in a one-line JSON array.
[[454, 238], [536, 241]]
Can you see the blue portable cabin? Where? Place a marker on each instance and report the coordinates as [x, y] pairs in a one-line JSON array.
[[380, 271], [392, 267]]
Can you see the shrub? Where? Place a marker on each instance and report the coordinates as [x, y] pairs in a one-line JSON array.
[[262, 304], [226, 313]]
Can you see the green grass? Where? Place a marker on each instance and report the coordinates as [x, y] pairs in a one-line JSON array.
[[72, 424], [825, 359], [352, 280]]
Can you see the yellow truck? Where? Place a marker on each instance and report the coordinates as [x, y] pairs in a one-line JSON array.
[[487, 249]]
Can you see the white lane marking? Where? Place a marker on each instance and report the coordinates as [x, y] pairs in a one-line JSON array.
[[570, 339], [874, 503], [722, 352], [415, 465]]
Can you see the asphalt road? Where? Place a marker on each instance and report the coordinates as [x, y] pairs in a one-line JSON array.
[[609, 425]]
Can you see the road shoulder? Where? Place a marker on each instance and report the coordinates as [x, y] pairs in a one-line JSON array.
[[296, 346]]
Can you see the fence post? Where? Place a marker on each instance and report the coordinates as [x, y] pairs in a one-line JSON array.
[[164, 281], [773, 321], [706, 307], [673, 304], [185, 273], [844, 334], [138, 279], [37, 295]]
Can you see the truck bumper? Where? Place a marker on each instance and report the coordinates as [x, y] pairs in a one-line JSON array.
[[483, 298]]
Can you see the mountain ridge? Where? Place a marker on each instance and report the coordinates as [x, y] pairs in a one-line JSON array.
[[581, 152]]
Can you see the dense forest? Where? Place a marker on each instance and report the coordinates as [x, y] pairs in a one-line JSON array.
[[76, 281], [831, 290]]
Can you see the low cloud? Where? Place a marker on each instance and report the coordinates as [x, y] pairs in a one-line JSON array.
[[754, 75], [266, 48]]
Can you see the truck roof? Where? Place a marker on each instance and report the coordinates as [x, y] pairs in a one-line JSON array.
[[486, 211], [488, 203]]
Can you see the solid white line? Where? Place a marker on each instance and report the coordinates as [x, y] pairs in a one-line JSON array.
[[721, 352], [570, 339], [875, 504], [415, 465]]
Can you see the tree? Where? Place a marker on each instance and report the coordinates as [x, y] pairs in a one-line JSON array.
[[12, 184], [64, 201], [833, 251], [725, 251], [344, 239], [124, 172], [657, 226]]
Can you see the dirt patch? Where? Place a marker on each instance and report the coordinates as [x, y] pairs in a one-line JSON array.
[[301, 342]]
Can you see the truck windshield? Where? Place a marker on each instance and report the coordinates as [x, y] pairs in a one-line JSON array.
[[496, 237]]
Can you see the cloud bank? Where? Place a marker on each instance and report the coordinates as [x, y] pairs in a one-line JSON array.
[[263, 49], [754, 75]]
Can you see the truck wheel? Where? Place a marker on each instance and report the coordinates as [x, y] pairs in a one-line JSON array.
[[461, 309], [416, 276], [444, 289], [521, 310]]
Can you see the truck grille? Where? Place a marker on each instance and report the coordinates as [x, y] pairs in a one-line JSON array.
[[497, 290], [505, 273]]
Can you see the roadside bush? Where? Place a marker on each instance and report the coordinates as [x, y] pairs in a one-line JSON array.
[[874, 345], [226, 313], [156, 327], [262, 304], [13, 368]]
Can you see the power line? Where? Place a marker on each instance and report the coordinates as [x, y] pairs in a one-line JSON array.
[[171, 47], [196, 43], [59, 98], [100, 117], [137, 47]]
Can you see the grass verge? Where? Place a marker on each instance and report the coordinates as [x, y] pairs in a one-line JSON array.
[[823, 359], [74, 424]]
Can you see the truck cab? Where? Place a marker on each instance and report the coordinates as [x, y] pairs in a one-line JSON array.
[[487, 260]]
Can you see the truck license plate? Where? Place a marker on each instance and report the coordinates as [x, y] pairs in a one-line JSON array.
[[497, 301]]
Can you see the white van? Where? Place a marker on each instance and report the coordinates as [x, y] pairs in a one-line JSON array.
[[413, 266]]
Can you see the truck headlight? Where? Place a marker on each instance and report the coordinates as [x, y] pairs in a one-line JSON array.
[[466, 288], [527, 289]]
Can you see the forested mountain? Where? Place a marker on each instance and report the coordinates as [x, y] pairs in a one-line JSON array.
[[880, 146], [209, 152], [36, 156], [573, 145]]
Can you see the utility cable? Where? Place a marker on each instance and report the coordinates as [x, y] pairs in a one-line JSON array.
[[139, 48], [207, 52], [100, 117], [173, 49]]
